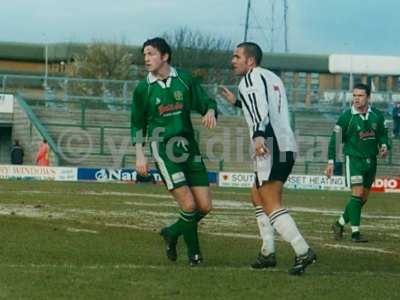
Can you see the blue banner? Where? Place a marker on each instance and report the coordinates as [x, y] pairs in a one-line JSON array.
[[107, 175]]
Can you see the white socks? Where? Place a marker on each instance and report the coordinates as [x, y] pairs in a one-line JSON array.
[[266, 232], [286, 227]]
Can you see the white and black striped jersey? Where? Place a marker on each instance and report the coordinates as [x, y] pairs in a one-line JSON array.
[[263, 99]]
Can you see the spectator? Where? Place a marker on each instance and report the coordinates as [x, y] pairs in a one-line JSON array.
[[396, 120], [42, 157], [17, 154]]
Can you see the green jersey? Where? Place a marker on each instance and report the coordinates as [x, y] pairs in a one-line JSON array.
[[162, 107], [362, 135]]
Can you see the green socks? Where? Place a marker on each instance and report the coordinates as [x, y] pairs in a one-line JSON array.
[[352, 213], [199, 215], [188, 227], [175, 229], [354, 210]]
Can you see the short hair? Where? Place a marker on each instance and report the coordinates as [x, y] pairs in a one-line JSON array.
[[363, 86], [252, 50], [161, 45]]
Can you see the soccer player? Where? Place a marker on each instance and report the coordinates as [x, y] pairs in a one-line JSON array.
[[363, 132], [161, 108], [265, 107], [266, 258]]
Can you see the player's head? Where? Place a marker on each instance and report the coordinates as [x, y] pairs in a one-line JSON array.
[[361, 94], [157, 53], [246, 56]]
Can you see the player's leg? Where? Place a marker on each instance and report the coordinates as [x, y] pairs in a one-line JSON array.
[[368, 176], [270, 177], [353, 210], [271, 193], [187, 222], [368, 171], [186, 225], [266, 258], [283, 223], [197, 178], [353, 206], [202, 198], [365, 196], [352, 213]]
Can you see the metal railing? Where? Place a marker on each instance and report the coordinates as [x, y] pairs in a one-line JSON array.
[[40, 128], [114, 92]]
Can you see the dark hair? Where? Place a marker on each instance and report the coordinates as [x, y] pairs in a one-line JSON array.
[[45, 141], [161, 45], [252, 50], [363, 86]]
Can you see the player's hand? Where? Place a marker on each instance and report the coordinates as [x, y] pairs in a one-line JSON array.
[[208, 120], [227, 94], [259, 146], [383, 152], [329, 170], [142, 166]]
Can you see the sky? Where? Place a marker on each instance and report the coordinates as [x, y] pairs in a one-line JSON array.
[[314, 26]]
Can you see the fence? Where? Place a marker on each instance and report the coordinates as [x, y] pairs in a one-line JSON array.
[[114, 92]]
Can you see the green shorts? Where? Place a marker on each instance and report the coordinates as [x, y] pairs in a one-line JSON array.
[[360, 171], [180, 163]]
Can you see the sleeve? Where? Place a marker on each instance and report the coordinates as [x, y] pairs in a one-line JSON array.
[[338, 137], [382, 133], [238, 103], [258, 101], [138, 116], [200, 101]]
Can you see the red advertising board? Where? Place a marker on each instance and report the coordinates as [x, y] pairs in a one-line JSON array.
[[386, 185]]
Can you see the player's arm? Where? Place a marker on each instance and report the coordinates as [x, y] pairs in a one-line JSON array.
[[229, 96], [203, 104], [138, 129], [335, 143], [383, 137]]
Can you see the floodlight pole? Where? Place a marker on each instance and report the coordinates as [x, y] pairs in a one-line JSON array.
[[246, 27], [46, 58], [286, 11], [46, 61]]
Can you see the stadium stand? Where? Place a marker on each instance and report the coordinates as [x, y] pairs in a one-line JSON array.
[[89, 135], [63, 109]]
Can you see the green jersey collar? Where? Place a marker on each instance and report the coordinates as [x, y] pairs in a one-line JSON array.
[[151, 78], [355, 112]]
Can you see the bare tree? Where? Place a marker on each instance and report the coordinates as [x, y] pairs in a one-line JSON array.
[[104, 61], [195, 49]]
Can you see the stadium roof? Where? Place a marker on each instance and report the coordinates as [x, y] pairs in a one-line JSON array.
[[65, 51], [296, 62], [35, 52]]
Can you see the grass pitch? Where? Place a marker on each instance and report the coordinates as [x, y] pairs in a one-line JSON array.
[[100, 241]]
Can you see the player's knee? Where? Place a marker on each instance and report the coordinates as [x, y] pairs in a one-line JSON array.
[[205, 208], [188, 206]]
